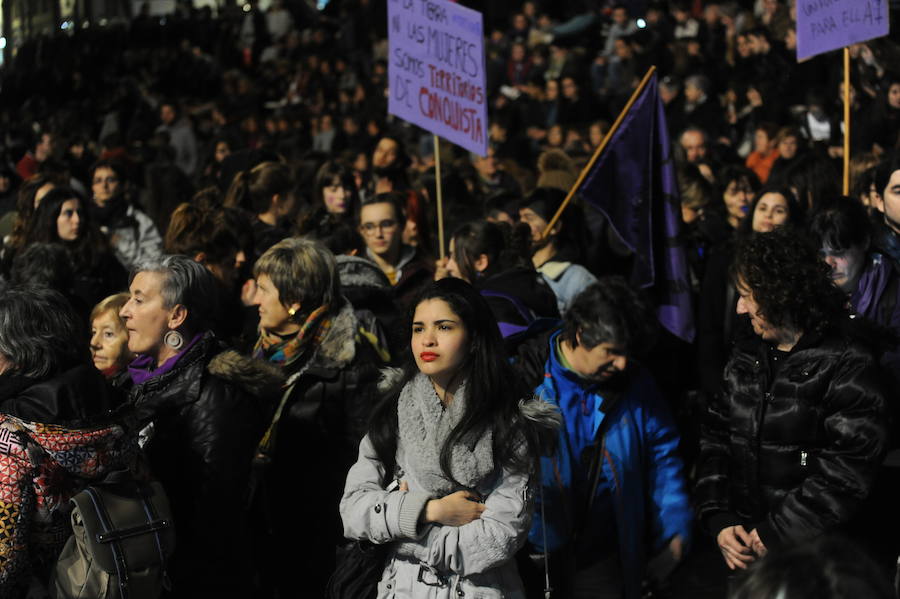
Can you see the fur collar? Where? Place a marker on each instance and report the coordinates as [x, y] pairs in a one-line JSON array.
[[257, 377], [338, 348]]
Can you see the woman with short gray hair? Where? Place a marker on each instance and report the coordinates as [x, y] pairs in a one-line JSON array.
[[57, 434], [203, 410]]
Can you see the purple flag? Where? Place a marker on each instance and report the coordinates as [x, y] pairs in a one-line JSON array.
[[824, 25], [633, 184]]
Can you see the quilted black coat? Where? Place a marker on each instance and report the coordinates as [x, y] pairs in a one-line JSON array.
[[795, 454], [325, 416], [205, 418]]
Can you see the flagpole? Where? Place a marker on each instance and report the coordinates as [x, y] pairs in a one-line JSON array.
[[846, 121], [600, 148], [440, 196]]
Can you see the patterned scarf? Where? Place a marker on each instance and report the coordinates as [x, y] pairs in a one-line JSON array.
[[283, 352]]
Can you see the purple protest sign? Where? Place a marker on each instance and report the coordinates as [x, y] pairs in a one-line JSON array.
[[436, 70], [824, 25]]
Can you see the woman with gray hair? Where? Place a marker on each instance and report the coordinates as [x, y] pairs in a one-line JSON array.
[[57, 434], [331, 366], [203, 410]]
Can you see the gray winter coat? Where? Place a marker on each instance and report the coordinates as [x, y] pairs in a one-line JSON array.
[[137, 241], [442, 562]]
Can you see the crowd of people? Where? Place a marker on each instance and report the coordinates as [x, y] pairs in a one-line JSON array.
[[220, 270]]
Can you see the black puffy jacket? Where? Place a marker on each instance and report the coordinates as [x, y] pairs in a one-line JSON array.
[[207, 415], [793, 455], [325, 415]]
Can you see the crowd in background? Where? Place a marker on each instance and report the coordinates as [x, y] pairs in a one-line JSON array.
[[225, 138]]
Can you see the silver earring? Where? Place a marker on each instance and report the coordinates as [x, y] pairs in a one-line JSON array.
[[174, 339]]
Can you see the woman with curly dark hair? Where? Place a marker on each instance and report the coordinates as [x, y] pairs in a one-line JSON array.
[[791, 445], [719, 326]]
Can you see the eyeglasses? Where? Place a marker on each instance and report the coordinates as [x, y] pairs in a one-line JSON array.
[[370, 228]]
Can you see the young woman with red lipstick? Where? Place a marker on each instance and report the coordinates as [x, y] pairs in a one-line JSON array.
[[444, 475]]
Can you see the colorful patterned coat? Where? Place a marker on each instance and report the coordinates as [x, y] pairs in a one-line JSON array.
[[41, 467]]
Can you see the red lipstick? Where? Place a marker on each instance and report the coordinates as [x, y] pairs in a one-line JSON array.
[[428, 356]]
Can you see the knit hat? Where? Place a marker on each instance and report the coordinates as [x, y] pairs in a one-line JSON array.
[[556, 170]]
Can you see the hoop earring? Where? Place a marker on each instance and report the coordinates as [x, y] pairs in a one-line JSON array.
[[174, 339]]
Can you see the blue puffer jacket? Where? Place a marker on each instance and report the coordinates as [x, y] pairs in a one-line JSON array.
[[640, 462]]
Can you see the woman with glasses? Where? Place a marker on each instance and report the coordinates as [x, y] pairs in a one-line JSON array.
[[381, 220]]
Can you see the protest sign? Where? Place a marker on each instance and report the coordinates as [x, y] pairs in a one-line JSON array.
[[436, 70], [824, 25]]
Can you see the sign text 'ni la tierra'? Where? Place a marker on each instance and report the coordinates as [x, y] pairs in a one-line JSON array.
[[436, 70]]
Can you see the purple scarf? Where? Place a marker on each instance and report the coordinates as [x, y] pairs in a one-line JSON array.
[[141, 372], [872, 284]]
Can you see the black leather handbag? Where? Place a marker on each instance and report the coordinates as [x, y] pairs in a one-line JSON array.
[[359, 566]]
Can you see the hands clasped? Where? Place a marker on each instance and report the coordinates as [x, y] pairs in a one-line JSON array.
[[740, 547]]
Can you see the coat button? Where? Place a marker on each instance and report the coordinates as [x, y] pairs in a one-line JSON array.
[[378, 509], [769, 397], [388, 585], [459, 593]]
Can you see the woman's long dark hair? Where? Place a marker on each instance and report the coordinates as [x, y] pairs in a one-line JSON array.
[[505, 246], [493, 391], [91, 245]]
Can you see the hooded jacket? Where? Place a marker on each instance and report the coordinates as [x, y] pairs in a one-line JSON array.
[[369, 292], [56, 437], [132, 235], [202, 421], [640, 462]]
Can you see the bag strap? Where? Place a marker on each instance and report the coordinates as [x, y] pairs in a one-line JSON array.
[[115, 544], [153, 516], [596, 464], [548, 590]]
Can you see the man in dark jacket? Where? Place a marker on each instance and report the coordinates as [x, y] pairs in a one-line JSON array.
[[792, 445]]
